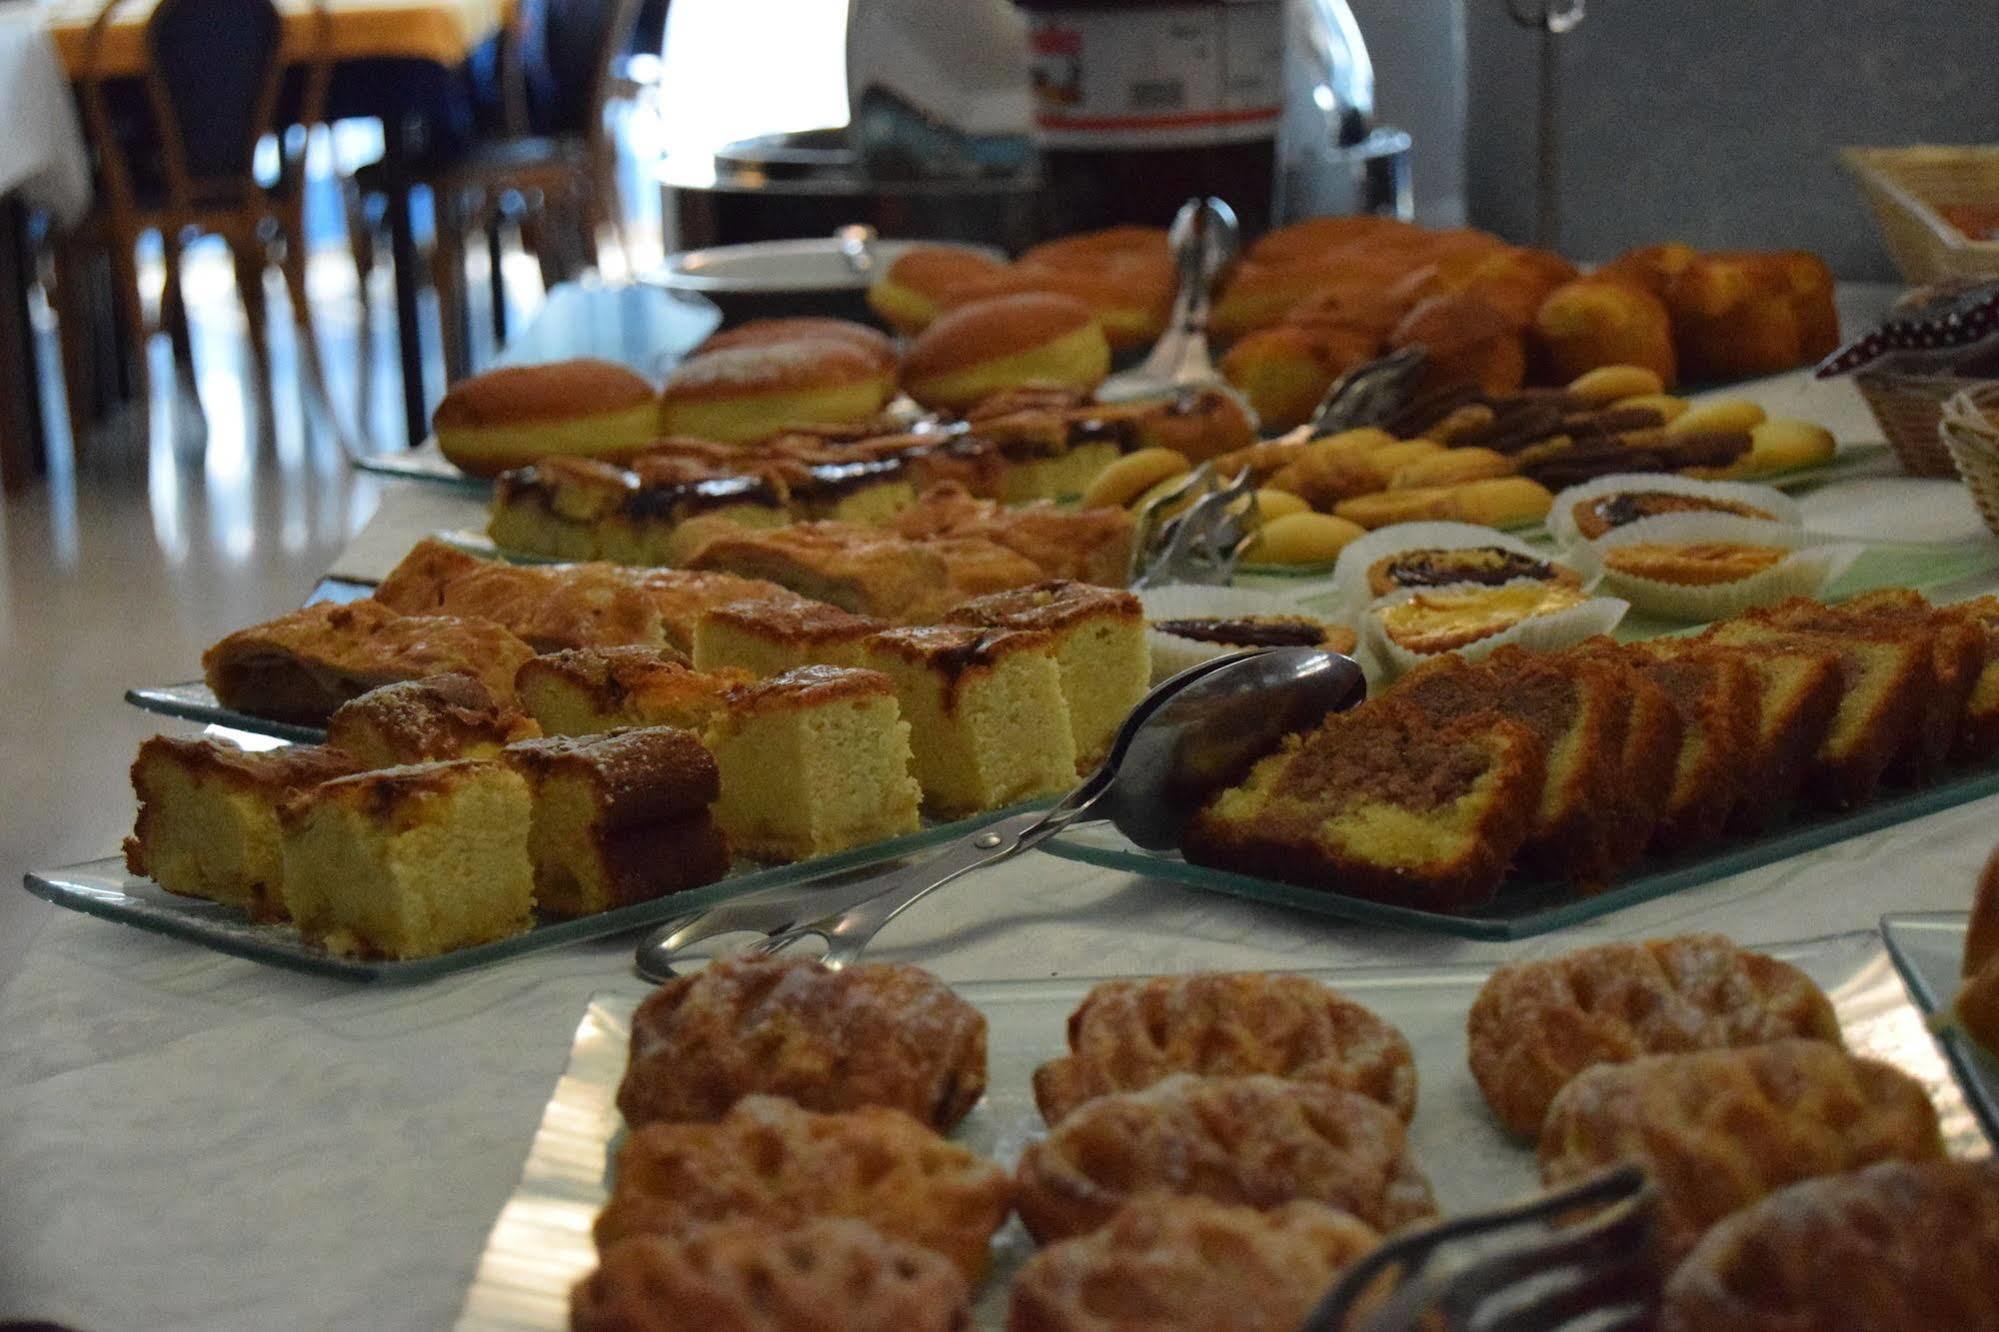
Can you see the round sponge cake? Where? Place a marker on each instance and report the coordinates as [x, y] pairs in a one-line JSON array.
[[1006, 342], [745, 393], [909, 292], [520, 414]]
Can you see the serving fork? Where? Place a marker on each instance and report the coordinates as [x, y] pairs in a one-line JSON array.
[[1197, 731], [1530, 1267]]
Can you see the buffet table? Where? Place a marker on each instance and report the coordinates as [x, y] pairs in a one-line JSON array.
[[191, 1140]]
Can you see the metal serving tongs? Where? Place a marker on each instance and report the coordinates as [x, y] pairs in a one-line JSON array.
[[1192, 734], [1205, 238], [1370, 394], [1523, 1268], [1201, 543]]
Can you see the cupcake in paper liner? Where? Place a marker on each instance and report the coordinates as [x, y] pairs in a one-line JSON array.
[[1413, 555], [1407, 628], [1189, 625], [1591, 511], [1709, 566]]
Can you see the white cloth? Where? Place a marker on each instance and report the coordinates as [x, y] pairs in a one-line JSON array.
[[192, 1141], [41, 144]]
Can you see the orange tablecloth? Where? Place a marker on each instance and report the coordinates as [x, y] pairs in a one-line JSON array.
[[443, 32]]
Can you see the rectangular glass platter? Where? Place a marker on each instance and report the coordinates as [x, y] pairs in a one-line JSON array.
[[1928, 949], [104, 889], [1523, 909], [540, 1244]]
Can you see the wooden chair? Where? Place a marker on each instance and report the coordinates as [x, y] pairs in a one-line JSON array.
[[550, 169], [214, 74]]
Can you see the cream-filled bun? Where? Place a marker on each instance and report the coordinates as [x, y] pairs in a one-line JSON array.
[[518, 414], [741, 394], [805, 328], [1006, 342], [909, 293]]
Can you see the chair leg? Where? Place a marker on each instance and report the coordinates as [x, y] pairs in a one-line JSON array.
[[361, 246], [293, 265], [173, 307], [447, 260], [134, 336], [248, 255], [496, 277], [68, 291]]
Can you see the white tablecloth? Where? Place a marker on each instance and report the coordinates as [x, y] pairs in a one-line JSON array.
[[41, 145], [190, 1141]]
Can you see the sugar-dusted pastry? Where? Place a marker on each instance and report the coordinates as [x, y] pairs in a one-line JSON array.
[[208, 816], [550, 607], [768, 638], [302, 665], [874, 1034], [748, 1276], [1127, 1035], [1260, 1141], [1535, 1025], [1447, 618], [1083, 545], [1170, 1264], [1099, 647], [619, 818], [813, 761], [417, 721], [1693, 563], [1603, 513], [410, 862], [1893, 1246], [987, 718], [775, 1162], [1719, 1129], [1384, 803], [1489, 566], [601, 689]]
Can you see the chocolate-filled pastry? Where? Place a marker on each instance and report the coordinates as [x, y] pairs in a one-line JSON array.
[[874, 1034], [1488, 565]]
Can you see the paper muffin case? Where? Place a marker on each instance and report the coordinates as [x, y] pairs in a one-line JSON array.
[[1814, 562], [1349, 595], [1172, 654], [1538, 633], [1562, 523]]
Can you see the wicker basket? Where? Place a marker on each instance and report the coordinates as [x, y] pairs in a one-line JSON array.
[[1903, 185], [1970, 432], [1908, 409]]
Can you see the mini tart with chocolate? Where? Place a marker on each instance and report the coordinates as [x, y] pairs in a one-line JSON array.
[[1693, 564], [1601, 513], [1489, 566], [1255, 631], [1448, 618]]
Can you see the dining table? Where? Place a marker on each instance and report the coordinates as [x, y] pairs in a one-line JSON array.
[[43, 169], [189, 1140], [405, 63]]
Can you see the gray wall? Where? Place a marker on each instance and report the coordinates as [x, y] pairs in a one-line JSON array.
[[1718, 121], [1418, 51]]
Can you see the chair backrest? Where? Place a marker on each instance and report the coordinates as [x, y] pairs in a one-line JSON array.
[[213, 75], [563, 57]]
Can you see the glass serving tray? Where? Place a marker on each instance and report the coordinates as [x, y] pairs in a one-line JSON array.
[[104, 889], [540, 1244], [1928, 948], [1528, 908]]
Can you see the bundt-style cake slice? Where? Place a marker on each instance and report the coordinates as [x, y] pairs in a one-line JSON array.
[[1886, 677], [1956, 657], [1978, 733], [1652, 732], [1384, 802], [1797, 691], [1717, 696], [1578, 707]]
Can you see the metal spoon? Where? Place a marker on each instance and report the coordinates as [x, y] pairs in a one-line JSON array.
[[1205, 237], [1192, 734]]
